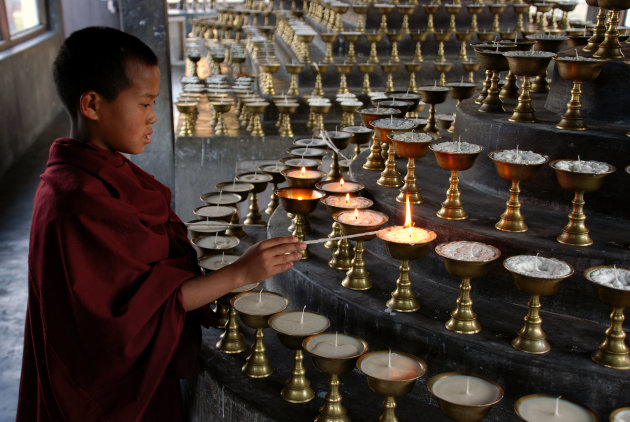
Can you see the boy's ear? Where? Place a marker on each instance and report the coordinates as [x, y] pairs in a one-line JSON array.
[[88, 105]]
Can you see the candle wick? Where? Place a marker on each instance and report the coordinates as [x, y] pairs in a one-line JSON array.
[[468, 386], [389, 361], [260, 296], [616, 274], [336, 339], [536, 262], [302, 318], [222, 257], [557, 412]]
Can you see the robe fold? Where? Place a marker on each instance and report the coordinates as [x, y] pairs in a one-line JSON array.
[[106, 334]]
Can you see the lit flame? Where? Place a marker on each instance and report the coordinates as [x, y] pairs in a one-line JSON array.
[[299, 198], [408, 222], [356, 213], [341, 182], [303, 171], [347, 197]]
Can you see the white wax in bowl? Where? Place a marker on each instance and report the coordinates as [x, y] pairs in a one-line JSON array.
[[216, 262], [579, 166], [516, 156], [237, 187], [245, 288], [335, 346], [622, 416], [400, 368], [365, 218], [260, 304], [407, 235], [215, 211], [537, 266], [617, 278], [255, 177], [412, 137], [464, 250], [222, 198], [351, 202], [217, 242], [466, 390], [543, 409], [207, 226], [457, 147], [299, 324]]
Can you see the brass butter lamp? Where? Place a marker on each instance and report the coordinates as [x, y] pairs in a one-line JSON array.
[[391, 388], [452, 207], [613, 351], [531, 338], [300, 202], [433, 95], [512, 219], [526, 64], [297, 389], [576, 69], [390, 176], [463, 320], [575, 233], [410, 145], [374, 161], [610, 47], [257, 365]]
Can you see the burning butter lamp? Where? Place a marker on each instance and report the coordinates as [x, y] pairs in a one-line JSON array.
[[292, 327], [536, 276], [334, 354], [391, 374], [405, 243], [255, 308], [612, 286], [465, 397], [359, 222], [466, 260]]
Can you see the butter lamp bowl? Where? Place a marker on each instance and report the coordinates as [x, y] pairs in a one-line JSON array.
[[459, 412], [617, 298], [369, 114], [350, 229], [580, 182], [255, 321], [515, 171], [410, 251], [392, 388], [331, 365], [298, 200]]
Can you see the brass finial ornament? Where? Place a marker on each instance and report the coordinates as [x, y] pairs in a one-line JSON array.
[[613, 351]]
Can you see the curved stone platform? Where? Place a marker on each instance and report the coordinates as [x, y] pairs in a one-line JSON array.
[[572, 318]]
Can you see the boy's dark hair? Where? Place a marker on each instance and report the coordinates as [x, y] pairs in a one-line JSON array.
[[95, 58]]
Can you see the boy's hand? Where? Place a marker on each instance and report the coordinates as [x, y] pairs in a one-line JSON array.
[[269, 257]]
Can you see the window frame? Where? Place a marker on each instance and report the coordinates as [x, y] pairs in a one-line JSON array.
[[7, 41]]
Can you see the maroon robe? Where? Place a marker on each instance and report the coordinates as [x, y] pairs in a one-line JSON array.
[[106, 334]]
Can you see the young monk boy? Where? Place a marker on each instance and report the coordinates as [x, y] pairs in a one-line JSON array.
[[115, 293]]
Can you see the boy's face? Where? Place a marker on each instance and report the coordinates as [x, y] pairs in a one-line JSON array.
[[124, 124]]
